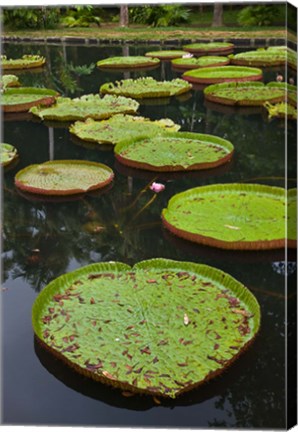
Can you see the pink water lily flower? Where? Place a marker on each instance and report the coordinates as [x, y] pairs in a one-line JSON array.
[[188, 55], [157, 187]]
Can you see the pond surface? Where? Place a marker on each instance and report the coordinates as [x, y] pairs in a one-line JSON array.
[[43, 240]]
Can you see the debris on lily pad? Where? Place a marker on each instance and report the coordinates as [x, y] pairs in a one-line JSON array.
[[234, 216], [127, 62], [120, 128], [21, 99], [180, 151], [146, 87], [161, 327], [63, 177], [86, 106], [9, 81], [8, 154], [27, 61]]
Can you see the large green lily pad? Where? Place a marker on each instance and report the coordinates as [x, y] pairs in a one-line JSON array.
[[120, 128], [179, 151], [210, 47], [86, 106], [21, 99], [127, 62], [199, 62], [8, 154], [233, 216], [160, 327], [166, 54], [213, 75], [63, 177], [25, 62], [273, 56], [9, 81], [281, 110], [244, 93], [146, 88]]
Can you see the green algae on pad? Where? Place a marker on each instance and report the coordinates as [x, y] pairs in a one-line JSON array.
[[63, 177], [127, 62], [9, 81], [281, 110], [175, 152], [120, 128], [86, 106], [25, 62], [244, 93], [146, 88], [166, 55], [21, 99], [272, 56], [210, 47], [232, 216], [213, 75], [199, 62], [161, 327], [8, 154]]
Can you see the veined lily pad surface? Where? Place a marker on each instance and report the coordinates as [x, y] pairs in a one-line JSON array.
[[120, 128], [175, 152], [8, 154], [213, 75], [25, 62], [161, 327], [233, 216], [273, 56], [128, 62], [281, 110], [86, 106], [146, 88], [199, 62], [21, 99], [9, 81], [244, 93], [63, 177], [210, 47], [166, 54]]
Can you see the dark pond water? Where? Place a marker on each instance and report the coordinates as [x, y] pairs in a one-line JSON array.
[[39, 390]]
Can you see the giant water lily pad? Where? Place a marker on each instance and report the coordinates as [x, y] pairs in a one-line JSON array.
[[25, 62], [210, 47], [290, 91], [161, 327], [86, 106], [281, 110], [146, 88], [21, 99], [200, 62], [127, 62], [120, 128], [244, 93], [210, 75], [63, 177], [166, 54], [233, 216], [273, 56], [175, 152], [8, 154], [9, 81]]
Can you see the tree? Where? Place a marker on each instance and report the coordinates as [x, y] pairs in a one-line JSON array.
[[217, 15], [124, 16]]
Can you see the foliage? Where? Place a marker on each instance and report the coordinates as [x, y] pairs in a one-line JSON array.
[[260, 15], [31, 18], [80, 16], [159, 16]]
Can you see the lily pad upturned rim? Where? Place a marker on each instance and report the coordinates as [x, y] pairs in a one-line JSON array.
[[210, 94], [209, 47], [11, 149], [11, 81], [227, 145], [34, 63], [193, 76], [62, 192], [142, 62], [210, 274], [184, 64], [165, 54], [222, 244], [47, 97]]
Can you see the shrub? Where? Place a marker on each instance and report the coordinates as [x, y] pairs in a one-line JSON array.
[[261, 15], [34, 18], [159, 16], [80, 16]]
